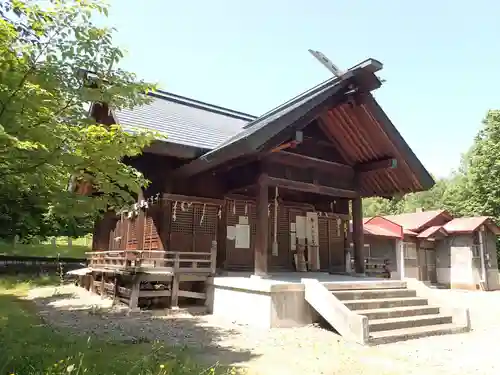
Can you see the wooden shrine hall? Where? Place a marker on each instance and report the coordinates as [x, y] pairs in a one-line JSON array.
[[234, 192]]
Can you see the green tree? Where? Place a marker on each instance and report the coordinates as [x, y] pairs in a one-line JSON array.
[[481, 183], [46, 134], [377, 206]]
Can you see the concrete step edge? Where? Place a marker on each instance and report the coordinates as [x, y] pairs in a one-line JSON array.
[[401, 319], [381, 290], [397, 309], [403, 334], [353, 286], [377, 300]]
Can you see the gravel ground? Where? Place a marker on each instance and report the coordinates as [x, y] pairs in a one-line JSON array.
[[306, 350]]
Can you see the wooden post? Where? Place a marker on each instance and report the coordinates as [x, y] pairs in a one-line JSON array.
[[103, 282], [213, 258], [358, 236], [400, 258], [209, 295], [140, 224], [482, 255], [174, 299], [261, 241], [133, 303], [92, 282], [115, 289]]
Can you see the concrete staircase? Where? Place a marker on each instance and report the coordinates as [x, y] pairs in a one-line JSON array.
[[395, 312]]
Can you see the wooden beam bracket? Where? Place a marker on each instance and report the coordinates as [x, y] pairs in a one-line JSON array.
[[375, 165]]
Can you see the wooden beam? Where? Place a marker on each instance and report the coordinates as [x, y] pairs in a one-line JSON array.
[[192, 199], [261, 240], [375, 165], [303, 161], [310, 188]]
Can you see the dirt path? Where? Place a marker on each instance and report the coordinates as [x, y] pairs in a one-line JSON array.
[[307, 350]]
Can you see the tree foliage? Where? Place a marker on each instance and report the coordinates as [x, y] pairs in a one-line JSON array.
[[46, 133]]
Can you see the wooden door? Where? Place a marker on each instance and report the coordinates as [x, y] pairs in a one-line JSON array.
[[181, 227], [283, 260], [296, 244], [205, 226], [331, 244], [193, 227], [422, 264], [237, 257], [431, 266]]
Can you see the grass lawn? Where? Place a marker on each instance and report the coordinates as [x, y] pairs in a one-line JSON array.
[[28, 346], [48, 250]]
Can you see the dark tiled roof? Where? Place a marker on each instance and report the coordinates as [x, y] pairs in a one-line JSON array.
[[185, 121]]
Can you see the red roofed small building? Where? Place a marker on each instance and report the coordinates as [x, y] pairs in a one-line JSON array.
[[434, 247]]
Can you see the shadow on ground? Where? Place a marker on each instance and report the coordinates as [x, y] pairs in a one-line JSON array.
[[86, 314]]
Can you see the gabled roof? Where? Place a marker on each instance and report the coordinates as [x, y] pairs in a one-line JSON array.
[[384, 225], [184, 121], [361, 131], [470, 224], [359, 128], [377, 230], [417, 220], [432, 232], [262, 129]]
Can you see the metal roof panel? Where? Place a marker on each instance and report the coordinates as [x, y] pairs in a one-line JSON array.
[[189, 123]]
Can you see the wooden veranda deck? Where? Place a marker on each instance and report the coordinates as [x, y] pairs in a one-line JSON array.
[[145, 277]]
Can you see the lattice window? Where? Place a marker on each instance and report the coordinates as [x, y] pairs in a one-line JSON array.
[[132, 234], [151, 236], [205, 219], [235, 209], [183, 222]]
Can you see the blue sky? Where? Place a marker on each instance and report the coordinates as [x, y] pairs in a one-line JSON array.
[[441, 58]]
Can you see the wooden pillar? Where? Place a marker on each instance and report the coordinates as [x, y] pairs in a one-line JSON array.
[[134, 293], [174, 296], [141, 218], [358, 236], [400, 258], [102, 287], [482, 257], [261, 240]]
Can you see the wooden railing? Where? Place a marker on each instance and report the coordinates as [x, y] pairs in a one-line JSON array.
[[174, 261]]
